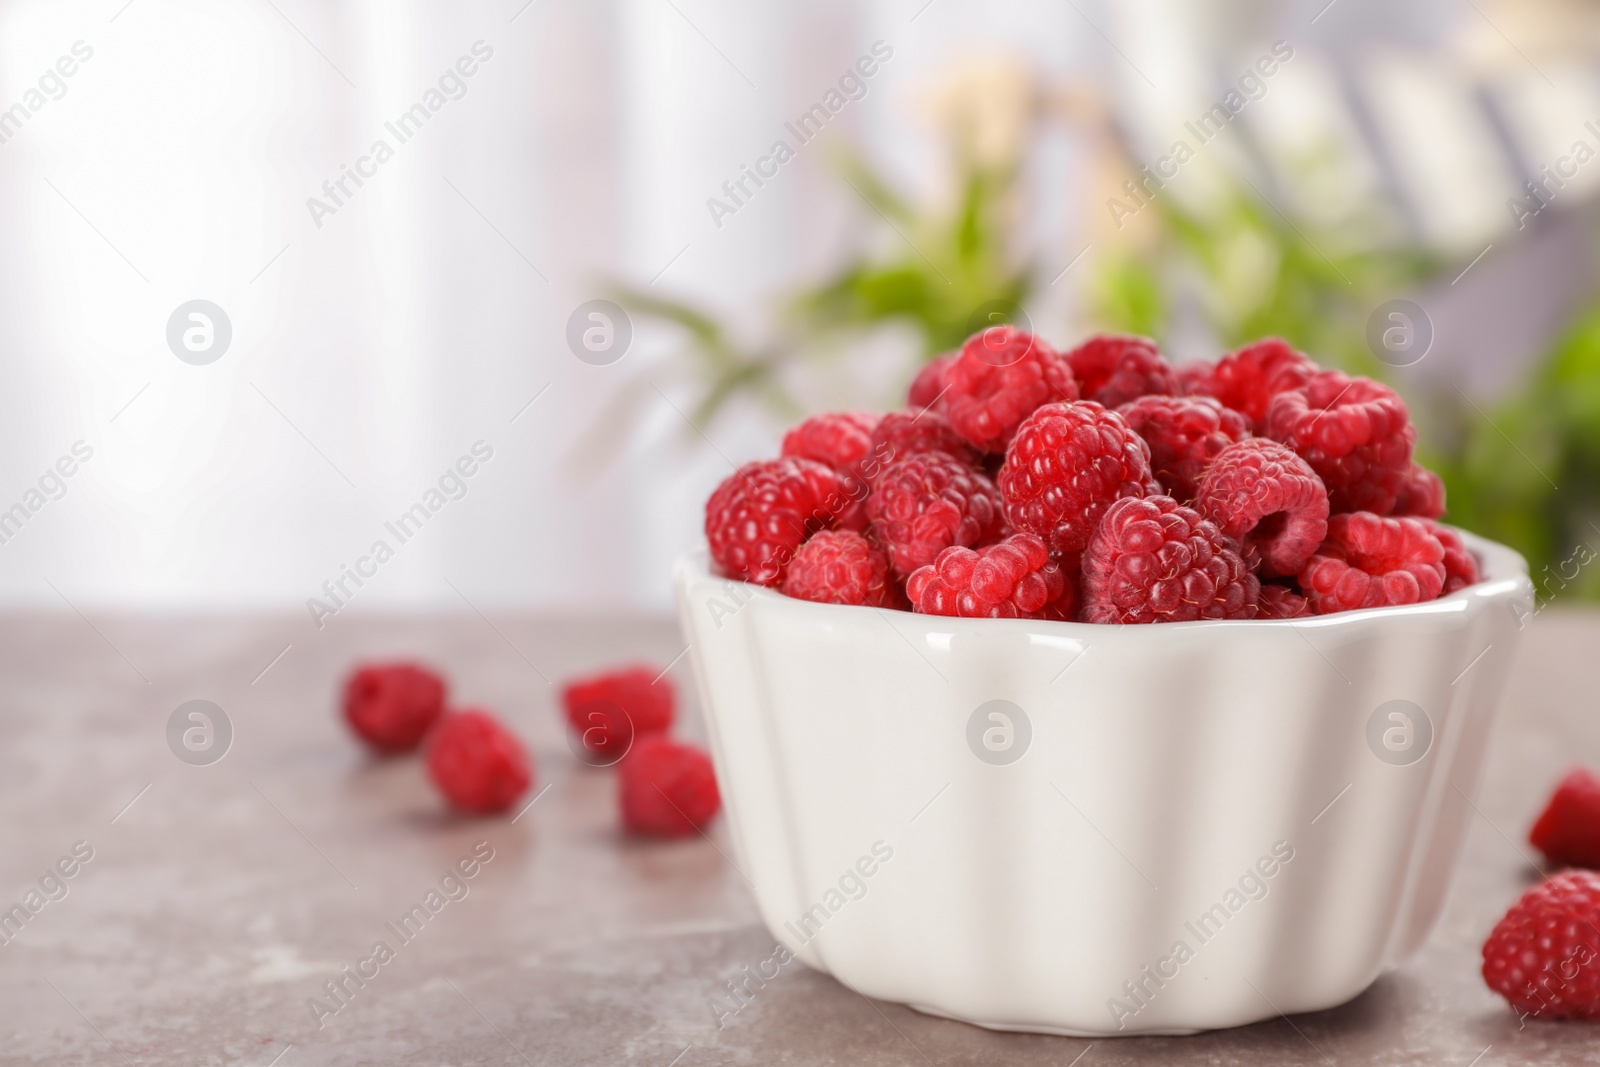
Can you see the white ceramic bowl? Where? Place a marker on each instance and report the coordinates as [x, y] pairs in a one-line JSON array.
[[1167, 829]]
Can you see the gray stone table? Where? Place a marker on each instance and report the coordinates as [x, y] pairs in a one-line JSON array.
[[220, 898]]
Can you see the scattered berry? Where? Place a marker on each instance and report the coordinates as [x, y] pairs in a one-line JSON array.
[[1184, 433], [1248, 379], [1112, 369], [390, 706], [1065, 466], [608, 710], [1460, 566], [667, 789], [928, 385], [1281, 602], [1001, 376], [478, 764], [765, 510], [1370, 562], [1015, 578], [1153, 560], [1542, 956], [923, 504], [1568, 831], [1355, 433], [839, 567], [1421, 494], [1268, 499], [910, 433]]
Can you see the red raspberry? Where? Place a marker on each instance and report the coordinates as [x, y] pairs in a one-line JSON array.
[[391, 705], [1065, 466], [1542, 956], [1460, 565], [478, 764], [1194, 378], [1154, 560], [1248, 379], [1013, 579], [1184, 434], [667, 789], [1568, 831], [924, 504], [838, 438], [1270, 500], [608, 710], [1371, 562], [762, 513], [1355, 433], [839, 567], [909, 433], [1421, 494], [1281, 602], [1113, 369], [928, 385], [1002, 375]]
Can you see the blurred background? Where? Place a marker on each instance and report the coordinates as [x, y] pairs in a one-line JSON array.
[[1203, 172]]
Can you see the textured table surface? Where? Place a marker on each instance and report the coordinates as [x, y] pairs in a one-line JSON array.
[[219, 901]]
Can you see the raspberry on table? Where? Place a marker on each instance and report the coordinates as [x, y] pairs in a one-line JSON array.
[[909, 433], [1001, 376], [840, 567], [928, 385], [1544, 955], [1421, 494], [477, 763], [1460, 565], [925, 503], [1568, 830], [1184, 433], [1153, 560], [1269, 500], [1369, 561], [761, 514], [608, 710], [1248, 379], [390, 706], [1356, 434], [1015, 578], [1113, 369], [1065, 466], [1281, 602], [667, 788]]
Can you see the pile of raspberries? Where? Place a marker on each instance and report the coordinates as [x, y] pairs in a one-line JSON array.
[[620, 717], [1100, 485]]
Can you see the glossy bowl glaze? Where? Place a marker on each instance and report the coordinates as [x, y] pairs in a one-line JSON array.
[[1098, 830]]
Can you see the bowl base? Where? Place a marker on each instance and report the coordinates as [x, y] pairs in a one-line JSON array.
[[1054, 1031]]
